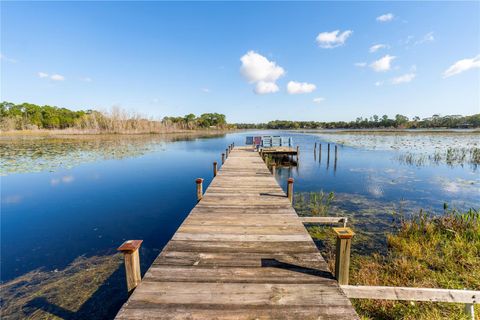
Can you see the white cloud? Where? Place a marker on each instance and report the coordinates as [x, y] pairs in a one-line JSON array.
[[385, 17], [360, 64], [5, 58], [404, 78], [258, 69], [383, 64], [57, 77], [461, 66], [333, 39], [319, 100], [42, 75], [426, 38], [378, 83], [294, 87], [377, 47], [264, 87]]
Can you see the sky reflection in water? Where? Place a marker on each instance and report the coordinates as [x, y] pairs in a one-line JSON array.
[[67, 198]]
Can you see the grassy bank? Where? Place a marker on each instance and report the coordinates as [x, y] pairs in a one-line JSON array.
[[425, 251]]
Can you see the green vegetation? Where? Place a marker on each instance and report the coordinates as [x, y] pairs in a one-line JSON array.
[[375, 122], [425, 250], [27, 116]]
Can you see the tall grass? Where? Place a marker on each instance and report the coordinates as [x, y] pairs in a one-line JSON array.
[[427, 251]]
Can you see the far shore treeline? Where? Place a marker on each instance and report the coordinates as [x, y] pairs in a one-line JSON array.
[[375, 122], [27, 116]]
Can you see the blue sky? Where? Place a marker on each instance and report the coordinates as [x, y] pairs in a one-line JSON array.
[[252, 61]]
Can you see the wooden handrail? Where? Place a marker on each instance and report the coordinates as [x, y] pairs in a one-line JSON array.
[[468, 297], [324, 220]]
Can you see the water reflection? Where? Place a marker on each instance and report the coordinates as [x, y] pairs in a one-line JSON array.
[[65, 198]]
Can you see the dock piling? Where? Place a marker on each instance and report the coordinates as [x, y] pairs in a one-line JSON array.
[[199, 182], [290, 189], [226, 153], [223, 158], [274, 168], [131, 257], [214, 168], [342, 256]]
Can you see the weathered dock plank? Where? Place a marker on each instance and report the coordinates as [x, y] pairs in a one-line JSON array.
[[242, 253]]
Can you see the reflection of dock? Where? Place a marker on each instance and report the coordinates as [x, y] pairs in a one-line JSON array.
[[242, 253]]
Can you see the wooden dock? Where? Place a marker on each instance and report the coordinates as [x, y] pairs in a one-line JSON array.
[[242, 253]]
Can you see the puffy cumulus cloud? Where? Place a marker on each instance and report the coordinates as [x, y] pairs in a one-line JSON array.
[[404, 78], [383, 64], [42, 75], [377, 47], [264, 87], [333, 39], [294, 87], [318, 100], [257, 69], [385, 17], [462, 66]]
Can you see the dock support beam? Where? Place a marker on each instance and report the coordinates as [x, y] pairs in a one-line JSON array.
[[342, 256], [223, 158], [199, 182], [214, 168], [274, 168], [290, 189], [226, 153], [131, 256]]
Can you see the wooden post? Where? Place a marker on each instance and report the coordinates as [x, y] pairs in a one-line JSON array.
[[328, 146], [290, 189], [199, 182], [470, 311], [226, 153], [320, 153], [214, 168], [336, 148], [274, 168], [223, 158], [298, 152], [132, 263], [342, 257], [315, 149]]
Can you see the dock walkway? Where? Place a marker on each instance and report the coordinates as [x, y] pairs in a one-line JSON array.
[[242, 253]]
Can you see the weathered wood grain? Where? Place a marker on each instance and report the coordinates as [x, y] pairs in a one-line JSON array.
[[242, 253]]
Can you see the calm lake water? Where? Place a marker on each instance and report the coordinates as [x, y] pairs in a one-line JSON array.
[[70, 197]]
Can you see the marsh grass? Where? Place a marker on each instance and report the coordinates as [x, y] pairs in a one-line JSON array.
[[426, 251]]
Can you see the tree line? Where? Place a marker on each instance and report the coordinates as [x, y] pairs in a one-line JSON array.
[[374, 122], [28, 116]]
